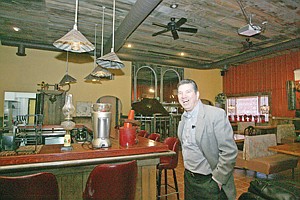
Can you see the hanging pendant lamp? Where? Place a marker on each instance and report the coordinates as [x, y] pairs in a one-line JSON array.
[[98, 72], [111, 60], [74, 41], [67, 79], [91, 78]]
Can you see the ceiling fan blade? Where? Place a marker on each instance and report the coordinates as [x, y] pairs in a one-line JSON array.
[[260, 37], [190, 30], [175, 34], [160, 25], [181, 21], [160, 32]]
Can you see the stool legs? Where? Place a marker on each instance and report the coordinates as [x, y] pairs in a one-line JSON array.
[[159, 183], [166, 184], [176, 185]]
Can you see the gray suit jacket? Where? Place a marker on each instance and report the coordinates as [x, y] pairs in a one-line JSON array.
[[214, 136]]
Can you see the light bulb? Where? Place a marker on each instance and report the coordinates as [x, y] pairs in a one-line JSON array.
[[75, 46]]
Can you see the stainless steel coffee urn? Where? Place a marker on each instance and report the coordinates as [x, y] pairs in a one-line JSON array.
[[101, 118]]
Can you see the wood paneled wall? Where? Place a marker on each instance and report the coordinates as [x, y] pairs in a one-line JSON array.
[[265, 76]]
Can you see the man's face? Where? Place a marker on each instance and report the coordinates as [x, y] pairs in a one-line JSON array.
[[187, 97]]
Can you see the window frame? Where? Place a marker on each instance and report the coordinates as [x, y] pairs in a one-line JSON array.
[[261, 100]]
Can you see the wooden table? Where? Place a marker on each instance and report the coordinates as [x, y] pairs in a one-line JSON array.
[[291, 148]]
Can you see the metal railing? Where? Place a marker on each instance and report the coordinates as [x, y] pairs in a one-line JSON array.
[[166, 126]]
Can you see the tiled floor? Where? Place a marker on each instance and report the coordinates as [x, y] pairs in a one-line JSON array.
[[242, 178]]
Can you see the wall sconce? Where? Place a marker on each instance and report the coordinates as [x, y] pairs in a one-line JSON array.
[[231, 105], [265, 108]]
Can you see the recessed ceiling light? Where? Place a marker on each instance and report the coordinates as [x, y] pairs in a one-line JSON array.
[[182, 54], [129, 45], [174, 5], [16, 28]]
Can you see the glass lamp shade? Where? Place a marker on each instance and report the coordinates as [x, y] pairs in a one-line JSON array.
[[101, 72], [74, 41], [91, 78], [68, 109], [67, 79], [111, 61]]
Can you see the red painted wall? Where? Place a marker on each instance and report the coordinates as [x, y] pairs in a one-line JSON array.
[[269, 75]]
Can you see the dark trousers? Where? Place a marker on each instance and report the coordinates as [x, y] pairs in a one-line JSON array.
[[198, 186]]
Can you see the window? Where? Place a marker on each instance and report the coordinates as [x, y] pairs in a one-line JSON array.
[[248, 108]]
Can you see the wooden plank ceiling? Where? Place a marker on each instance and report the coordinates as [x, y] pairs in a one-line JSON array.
[[215, 45]]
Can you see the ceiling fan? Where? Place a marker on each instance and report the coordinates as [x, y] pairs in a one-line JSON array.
[[174, 27], [249, 45]]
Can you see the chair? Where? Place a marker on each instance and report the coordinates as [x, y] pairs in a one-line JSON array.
[[38, 186], [112, 181], [168, 162], [143, 133], [250, 130], [242, 125], [285, 133], [256, 156], [154, 136]]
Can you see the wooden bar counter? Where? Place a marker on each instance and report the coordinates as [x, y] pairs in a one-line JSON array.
[[72, 168]]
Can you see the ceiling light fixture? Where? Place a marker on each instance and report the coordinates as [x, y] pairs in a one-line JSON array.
[[98, 72], [93, 79], [74, 40], [182, 54], [16, 28], [67, 79], [111, 60], [129, 45], [174, 5]]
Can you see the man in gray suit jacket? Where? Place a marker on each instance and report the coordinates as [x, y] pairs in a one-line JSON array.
[[208, 148]]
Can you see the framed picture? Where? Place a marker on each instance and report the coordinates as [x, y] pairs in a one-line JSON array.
[[83, 109]]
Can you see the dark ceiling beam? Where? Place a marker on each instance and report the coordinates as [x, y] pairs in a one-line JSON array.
[[165, 60], [138, 13], [295, 43], [23, 45], [180, 62]]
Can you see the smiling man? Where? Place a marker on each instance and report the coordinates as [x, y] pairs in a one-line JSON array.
[[208, 148]]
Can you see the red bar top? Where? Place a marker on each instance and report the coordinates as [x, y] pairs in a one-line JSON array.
[[51, 153]]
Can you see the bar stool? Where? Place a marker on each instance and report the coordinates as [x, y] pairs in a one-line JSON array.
[[143, 133], [168, 162], [154, 136], [112, 181], [38, 186]]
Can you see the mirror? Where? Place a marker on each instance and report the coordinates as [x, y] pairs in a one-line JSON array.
[[146, 86], [170, 80], [153, 81], [17, 103]]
